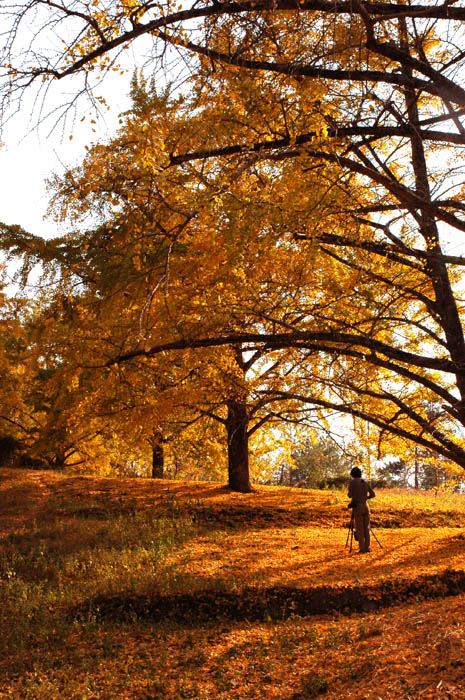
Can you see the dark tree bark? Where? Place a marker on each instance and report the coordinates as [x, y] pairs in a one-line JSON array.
[[158, 462], [238, 446], [158, 457]]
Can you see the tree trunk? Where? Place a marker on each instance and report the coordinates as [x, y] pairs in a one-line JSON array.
[[158, 460], [445, 304], [238, 446], [417, 470]]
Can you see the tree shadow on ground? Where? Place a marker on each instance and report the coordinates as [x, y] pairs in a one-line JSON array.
[[274, 603]]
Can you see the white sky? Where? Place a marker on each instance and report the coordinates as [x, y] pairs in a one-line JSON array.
[[23, 169], [29, 155], [27, 160]]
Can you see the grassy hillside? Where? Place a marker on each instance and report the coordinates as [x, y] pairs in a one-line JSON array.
[[148, 589]]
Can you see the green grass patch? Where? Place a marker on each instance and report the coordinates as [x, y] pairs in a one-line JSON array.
[[47, 570]]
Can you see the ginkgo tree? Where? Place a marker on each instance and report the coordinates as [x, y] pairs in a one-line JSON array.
[[39, 420], [364, 97], [16, 421], [174, 257]]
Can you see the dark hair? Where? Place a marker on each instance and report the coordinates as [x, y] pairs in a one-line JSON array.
[[355, 473]]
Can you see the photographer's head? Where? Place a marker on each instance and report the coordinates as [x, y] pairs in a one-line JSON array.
[[355, 473]]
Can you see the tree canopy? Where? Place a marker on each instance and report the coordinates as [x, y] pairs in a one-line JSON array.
[[314, 139]]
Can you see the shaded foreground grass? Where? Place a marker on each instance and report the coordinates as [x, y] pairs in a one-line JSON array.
[[132, 589]]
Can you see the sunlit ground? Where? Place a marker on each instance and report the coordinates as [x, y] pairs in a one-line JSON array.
[[67, 542], [304, 557]]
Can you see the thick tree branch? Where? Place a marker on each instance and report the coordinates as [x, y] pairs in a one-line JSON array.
[[448, 450], [334, 132], [296, 340], [386, 250], [445, 11]]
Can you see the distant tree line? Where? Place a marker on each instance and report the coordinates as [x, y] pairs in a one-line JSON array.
[[420, 474], [323, 464]]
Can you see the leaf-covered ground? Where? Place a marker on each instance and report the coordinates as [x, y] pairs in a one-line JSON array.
[[146, 590]]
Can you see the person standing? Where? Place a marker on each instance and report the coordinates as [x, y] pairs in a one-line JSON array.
[[359, 492]]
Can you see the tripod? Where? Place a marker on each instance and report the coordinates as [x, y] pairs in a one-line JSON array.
[[351, 533]]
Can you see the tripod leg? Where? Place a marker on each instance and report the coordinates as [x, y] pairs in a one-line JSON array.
[[351, 533], [348, 533], [374, 535], [350, 530]]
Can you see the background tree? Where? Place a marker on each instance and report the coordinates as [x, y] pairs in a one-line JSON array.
[[396, 473], [17, 421], [40, 417], [322, 463]]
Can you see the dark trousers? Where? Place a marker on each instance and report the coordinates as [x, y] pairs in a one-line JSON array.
[[362, 526]]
